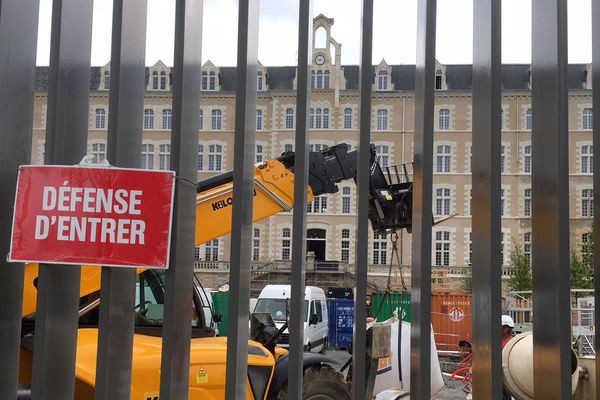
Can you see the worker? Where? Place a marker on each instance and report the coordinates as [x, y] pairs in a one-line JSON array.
[[508, 325]]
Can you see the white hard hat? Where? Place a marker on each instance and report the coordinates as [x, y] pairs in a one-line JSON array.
[[508, 321]]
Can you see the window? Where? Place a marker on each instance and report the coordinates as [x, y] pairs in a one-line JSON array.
[[289, 118], [383, 155], [100, 118], [527, 202], [204, 84], [379, 249], [164, 157], [286, 244], [438, 80], [528, 119], [345, 246], [527, 159], [211, 250], [444, 119], [443, 158], [502, 159], [527, 246], [147, 156], [587, 203], [318, 118], [288, 148], [200, 161], [470, 259], [587, 159], [167, 118], [442, 201], [382, 81], [155, 80], [201, 120], [259, 80], [215, 157], [106, 80], [163, 80], [259, 153], [212, 80], [99, 152], [259, 120], [346, 200], [382, 120], [319, 79], [317, 147], [587, 119], [312, 118], [312, 80], [318, 205], [256, 245], [442, 248], [347, 118], [326, 80], [326, 118], [148, 119], [216, 116], [502, 202]]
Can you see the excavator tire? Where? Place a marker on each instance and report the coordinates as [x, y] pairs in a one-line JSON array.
[[321, 382]]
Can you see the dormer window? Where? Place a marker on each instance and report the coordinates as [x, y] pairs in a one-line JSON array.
[[438, 80], [383, 80], [163, 80], [107, 80], [440, 76], [259, 80], [209, 81], [155, 80], [159, 78]]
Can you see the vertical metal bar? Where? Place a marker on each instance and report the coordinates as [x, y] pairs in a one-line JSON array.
[[550, 219], [117, 296], [296, 324], [18, 39], [362, 224], [487, 363], [596, 141], [187, 67], [420, 335], [243, 189], [66, 142]]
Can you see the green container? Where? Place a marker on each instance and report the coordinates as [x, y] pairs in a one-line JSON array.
[[221, 304], [390, 302]]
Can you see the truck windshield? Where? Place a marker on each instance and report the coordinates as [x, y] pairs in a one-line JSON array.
[[278, 308]]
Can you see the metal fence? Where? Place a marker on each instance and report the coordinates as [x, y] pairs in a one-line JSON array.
[[55, 341]]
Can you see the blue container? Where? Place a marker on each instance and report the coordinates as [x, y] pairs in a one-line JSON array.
[[341, 321]]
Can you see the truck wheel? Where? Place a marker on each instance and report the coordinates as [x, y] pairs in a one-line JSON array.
[[321, 382]]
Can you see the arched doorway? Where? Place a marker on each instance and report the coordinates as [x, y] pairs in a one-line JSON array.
[[315, 242]]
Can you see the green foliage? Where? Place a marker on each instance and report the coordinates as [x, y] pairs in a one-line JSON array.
[[467, 282], [520, 279], [582, 267]]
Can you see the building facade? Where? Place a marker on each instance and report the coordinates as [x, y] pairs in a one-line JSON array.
[[334, 112]]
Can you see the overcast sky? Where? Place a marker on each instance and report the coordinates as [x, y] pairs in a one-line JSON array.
[[394, 31]]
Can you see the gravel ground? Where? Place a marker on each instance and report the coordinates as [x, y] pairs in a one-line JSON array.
[[452, 390]]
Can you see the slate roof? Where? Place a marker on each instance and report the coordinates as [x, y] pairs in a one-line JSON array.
[[458, 77]]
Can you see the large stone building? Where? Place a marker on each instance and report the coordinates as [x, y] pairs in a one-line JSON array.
[[334, 119]]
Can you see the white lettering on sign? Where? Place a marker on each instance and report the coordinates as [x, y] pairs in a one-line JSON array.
[[88, 200]]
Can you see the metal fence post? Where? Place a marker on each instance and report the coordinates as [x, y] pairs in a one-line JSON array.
[[596, 178], [550, 211], [243, 189], [298, 273], [117, 294], [420, 335], [363, 175], [175, 365], [487, 277], [18, 39], [66, 142]]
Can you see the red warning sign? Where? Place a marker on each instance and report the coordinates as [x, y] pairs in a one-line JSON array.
[[93, 216]]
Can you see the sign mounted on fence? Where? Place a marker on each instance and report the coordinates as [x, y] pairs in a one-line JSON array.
[[93, 216]]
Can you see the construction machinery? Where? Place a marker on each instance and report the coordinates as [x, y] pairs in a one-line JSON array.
[[390, 208]]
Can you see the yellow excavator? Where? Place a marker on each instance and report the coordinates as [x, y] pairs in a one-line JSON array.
[[390, 208]]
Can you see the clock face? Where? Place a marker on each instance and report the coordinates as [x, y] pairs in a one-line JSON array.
[[320, 59]]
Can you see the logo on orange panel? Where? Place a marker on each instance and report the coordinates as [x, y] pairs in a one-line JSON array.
[[456, 314]]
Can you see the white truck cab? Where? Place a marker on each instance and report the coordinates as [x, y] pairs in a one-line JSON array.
[[274, 299]]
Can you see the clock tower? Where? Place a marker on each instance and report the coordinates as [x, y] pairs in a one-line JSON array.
[[327, 55]]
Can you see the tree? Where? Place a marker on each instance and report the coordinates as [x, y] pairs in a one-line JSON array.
[[582, 267], [466, 283], [520, 279]]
